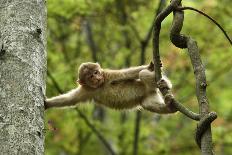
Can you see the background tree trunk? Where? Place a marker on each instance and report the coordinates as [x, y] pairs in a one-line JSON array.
[[22, 76]]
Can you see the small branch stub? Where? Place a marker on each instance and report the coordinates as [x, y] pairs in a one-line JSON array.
[[2, 50], [204, 85], [39, 31]]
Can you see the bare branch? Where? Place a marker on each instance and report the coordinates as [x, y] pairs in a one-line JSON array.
[[204, 132], [143, 45], [204, 14], [156, 56], [156, 32]]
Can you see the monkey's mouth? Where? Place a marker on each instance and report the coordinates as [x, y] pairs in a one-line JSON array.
[[100, 82]]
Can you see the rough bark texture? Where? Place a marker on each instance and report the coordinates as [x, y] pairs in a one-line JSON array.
[[22, 76], [199, 71]]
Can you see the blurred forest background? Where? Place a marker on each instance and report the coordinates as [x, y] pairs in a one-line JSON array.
[[113, 32]]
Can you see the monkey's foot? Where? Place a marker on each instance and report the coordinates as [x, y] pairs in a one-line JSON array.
[[162, 84], [169, 101]]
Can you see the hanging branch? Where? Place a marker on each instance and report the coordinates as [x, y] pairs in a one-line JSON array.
[[203, 132], [143, 45], [210, 18], [88, 123], [156, 55]]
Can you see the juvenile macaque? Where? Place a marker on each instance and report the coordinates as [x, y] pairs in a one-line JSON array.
[[117, 89]]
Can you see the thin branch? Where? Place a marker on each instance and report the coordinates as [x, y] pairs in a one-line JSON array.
[[54, 82], [90, 39], [156, 32], [145, 41], [156, 55], [136, 33], [97, 133], [136, 132], [144, 44], [213, 20], [186, 111], [98, 112], [90, 125], [159, 9]]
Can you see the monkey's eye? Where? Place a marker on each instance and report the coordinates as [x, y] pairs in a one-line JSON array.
[[95, 72]]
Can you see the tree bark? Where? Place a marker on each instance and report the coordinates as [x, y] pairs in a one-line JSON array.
[[22, 76]]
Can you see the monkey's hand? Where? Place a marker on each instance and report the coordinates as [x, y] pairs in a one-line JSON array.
[[169, 101], [45, 103]]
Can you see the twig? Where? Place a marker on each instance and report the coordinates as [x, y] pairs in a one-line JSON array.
[[98, 134], [213, 20]]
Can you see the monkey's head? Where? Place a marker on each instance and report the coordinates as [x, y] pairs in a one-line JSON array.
[[90, 75]]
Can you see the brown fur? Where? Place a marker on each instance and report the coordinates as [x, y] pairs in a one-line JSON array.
[[118, 89]]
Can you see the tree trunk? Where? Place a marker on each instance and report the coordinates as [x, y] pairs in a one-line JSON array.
[[22, 76]]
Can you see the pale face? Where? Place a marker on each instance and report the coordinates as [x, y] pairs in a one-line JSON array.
[[90, 75], [95, 78]]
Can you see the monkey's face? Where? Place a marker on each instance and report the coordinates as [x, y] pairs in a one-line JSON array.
[[95, 78], [90, 74]]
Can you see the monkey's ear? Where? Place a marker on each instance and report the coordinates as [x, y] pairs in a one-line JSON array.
[[151, 66], [80, 82]]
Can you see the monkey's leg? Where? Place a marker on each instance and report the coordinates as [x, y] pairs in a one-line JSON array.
[[155, 103]]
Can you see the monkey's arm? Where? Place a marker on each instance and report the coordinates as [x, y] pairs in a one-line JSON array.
[[68, 99], [125, 74]]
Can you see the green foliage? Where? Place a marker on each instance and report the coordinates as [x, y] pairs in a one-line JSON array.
[[117, 28]]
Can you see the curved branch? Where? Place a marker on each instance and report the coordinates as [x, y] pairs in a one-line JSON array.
[[156, 56], [177, 105], [203, 125], [181, 108], [183, 41], [204, 14], [156, 32], [176, 38], [144, 44]]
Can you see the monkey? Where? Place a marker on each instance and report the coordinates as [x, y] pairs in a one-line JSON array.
[[116, 89]]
